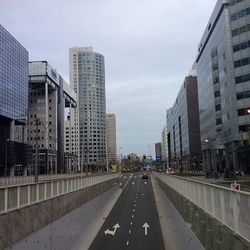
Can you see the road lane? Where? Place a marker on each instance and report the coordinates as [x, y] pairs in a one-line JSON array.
[[133, 222]]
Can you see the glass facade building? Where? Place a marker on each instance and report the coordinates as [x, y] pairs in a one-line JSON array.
[[13, 78], [223, 72], [14, 156]]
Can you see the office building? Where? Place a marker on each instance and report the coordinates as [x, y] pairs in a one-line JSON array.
[[14, 156], [158, 151], [223, 72], [183, 128], [164, 145], [48, 96], [111, 138], [88, 129]]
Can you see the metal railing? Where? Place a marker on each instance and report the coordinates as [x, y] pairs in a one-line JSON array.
[[18, 180], [230, 207], [21, 195]]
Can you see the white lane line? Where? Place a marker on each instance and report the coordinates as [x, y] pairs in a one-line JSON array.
[[134, 205], [132, 216], [127, 243], [133, 210], [131, 223], [129, 232]]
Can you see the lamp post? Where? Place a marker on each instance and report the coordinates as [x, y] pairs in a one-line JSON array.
[[36, 153], [120, 155], [6, 157]]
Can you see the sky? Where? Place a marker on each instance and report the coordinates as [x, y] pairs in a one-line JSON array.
[[149, 48]]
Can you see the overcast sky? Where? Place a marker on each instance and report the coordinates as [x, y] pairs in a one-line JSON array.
[[149, 47]]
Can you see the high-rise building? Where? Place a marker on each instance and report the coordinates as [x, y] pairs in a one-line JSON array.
[[158, 151], [48, 96], [111, 138], [13, 103], [183, 128], [88, 129], [223, 72]]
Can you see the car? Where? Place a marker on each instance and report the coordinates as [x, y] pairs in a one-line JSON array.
[[169, 171], [144, 175]]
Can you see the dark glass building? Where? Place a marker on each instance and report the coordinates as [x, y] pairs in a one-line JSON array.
[[13, 102]]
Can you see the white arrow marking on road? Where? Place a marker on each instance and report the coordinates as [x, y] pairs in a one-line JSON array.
[[116, 226], [146, 226]]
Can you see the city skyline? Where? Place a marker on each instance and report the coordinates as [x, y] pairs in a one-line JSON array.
[[145, 63]]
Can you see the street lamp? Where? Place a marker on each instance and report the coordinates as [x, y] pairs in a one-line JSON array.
[[6, 157], [120, 155]]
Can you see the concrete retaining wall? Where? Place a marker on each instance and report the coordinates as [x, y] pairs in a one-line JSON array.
[[210, 232], [19, 223]]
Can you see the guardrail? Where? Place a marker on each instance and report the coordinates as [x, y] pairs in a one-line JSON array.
[[16, 180], [18, 196], [230, 207]]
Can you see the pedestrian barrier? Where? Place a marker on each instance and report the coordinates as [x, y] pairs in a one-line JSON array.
[[21, 195], [229, 206]]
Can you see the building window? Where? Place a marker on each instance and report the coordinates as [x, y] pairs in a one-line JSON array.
[[218, 121], [216, 94], [241, 46], [243, 111], [242, 62], [217, 107], [243, 78], [244, 128], [243, 95], [240, 14], [241, 30]]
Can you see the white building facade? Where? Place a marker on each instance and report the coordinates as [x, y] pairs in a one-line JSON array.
[[87, 127]]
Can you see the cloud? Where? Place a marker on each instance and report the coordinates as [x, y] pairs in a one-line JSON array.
[[149, 47]]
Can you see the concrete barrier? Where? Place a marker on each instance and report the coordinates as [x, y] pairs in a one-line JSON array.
[[212, 233], [18, 223]]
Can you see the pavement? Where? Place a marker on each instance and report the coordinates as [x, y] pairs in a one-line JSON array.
[[75, 230], [176, 233], [133, 222]]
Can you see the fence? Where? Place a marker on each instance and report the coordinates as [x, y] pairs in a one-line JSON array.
[[230, 207], [21, 195]]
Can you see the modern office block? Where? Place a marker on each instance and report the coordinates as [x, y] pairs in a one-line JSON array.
[[88, 128], [183, 128], [223, 72], [111, 138], [158, 151], [48, 96], [14, 156]]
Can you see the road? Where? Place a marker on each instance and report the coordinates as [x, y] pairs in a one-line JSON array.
[[133, 222]]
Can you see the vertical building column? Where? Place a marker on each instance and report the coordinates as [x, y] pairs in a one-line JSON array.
[[70, 127], [46, 117], [12, 130]]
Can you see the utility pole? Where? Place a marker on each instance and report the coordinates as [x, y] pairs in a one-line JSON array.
[[36, 152]]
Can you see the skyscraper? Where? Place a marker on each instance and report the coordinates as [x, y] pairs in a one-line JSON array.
[[111, 138], [88, 129]]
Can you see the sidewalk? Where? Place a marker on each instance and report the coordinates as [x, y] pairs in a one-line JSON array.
[[176, 233]]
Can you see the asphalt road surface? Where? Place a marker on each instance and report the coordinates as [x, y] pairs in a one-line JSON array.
[[133, 222]]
